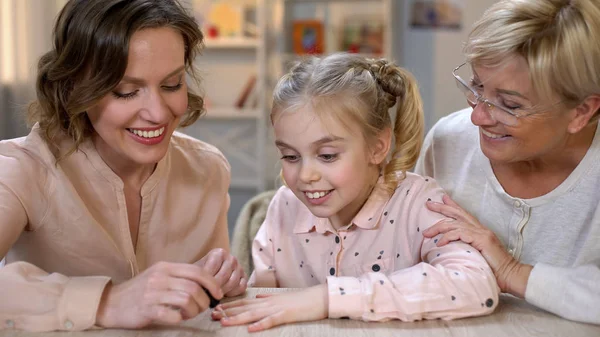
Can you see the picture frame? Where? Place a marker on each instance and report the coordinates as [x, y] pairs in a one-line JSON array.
[[445, 14], [308, 37]]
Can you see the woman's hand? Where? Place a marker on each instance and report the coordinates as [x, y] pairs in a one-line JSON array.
[[270, 310], [226, 270], [511, 275], [165, 293]]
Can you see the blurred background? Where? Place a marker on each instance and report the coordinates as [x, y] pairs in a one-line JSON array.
[[249, 45]]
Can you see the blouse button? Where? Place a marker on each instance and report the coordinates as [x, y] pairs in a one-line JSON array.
[[68, 325], [10, 323], [376, 268], [517, 203], [332, 271], [337, 239]]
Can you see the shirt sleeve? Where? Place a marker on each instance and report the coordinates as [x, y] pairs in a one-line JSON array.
[[263, 249], [37, 301], [572, 293], [450, 282], [31, 298]]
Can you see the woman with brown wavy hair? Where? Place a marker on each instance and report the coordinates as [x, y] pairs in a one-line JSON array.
[[110, 217]]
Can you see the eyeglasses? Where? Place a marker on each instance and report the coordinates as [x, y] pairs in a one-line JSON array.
[[497, 111]]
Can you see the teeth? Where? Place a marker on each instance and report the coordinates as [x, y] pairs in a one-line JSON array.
[[491, 135], [316, 195], [148, 134]]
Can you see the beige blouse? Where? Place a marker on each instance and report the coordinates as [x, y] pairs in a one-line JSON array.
[[65, 233]]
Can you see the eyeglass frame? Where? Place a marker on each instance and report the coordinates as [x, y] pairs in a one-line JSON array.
[[481, 99]]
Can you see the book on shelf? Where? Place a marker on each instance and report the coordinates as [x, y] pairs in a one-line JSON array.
[[363, 35], [249, 87], [308, 37]]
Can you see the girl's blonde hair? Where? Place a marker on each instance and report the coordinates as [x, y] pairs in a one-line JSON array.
[[360, 90], [557, 38]]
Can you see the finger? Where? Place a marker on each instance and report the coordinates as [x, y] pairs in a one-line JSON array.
[[463, 235], [191, 288], [268, 322], [265, 295], [240, 289], [161, 314], [237, 303], [214, 261], [447, 210], [196, 274], [227, 271], [249, 315], [449, 201], [182, 301], [254, 306], [441, 227]]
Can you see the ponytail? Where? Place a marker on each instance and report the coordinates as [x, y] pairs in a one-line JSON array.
[[397, 83]]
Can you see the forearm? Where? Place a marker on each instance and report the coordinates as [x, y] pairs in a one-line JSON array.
[[420, 292]]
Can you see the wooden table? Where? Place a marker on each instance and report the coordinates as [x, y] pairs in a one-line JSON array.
[[512, 318]]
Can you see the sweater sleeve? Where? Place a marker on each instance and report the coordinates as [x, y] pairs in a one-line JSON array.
[[572, 293]]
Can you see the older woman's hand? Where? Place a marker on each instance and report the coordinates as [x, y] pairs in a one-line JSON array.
[[510, 274], [226, 270]]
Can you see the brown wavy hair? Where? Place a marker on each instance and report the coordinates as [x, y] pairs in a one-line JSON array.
[[89, 58], [363, 90]]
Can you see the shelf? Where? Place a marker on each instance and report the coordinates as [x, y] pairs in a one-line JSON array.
[[328, 1], [231, 113], [231, 43]]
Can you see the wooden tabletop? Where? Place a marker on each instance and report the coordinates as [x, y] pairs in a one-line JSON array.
[[513, 317]]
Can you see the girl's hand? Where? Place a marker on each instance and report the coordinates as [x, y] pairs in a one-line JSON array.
[[270, 310], [165, 293], [226, 270], [511, 275]]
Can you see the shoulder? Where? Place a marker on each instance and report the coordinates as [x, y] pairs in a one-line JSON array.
[[418, 185], [409, 201], [25, 158], [191, 154], [455, 127]]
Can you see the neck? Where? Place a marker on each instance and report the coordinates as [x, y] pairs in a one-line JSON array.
[[132, 174], [562, 159], [345, 215]]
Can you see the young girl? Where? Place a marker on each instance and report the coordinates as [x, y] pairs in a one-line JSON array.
[[347, 224]]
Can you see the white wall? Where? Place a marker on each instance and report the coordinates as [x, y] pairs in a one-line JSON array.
[[431, 54]]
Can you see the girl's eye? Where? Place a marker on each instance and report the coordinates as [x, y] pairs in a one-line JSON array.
[[125, 96], [173, 87], [328, 157], [290, 159]]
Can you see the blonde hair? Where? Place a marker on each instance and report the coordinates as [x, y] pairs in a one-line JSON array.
[[350, 87], [89, 59], [557, 38]]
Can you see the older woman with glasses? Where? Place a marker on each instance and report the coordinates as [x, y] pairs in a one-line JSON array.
[[523, 162]]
